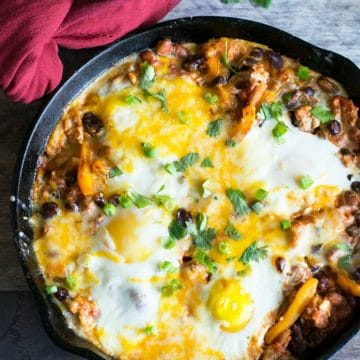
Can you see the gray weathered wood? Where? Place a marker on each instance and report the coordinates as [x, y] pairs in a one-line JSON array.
[[331, 24]]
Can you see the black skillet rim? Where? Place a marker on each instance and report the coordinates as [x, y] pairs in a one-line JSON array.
[[326, 62]]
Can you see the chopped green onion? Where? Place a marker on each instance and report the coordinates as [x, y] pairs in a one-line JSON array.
[[205, 192], [72, 282], [261, 194], [184, 117], [132, 100], [201, 221], [303, 72], [211, 98], [224, 248], [115, 171], [230, 259], [305, 182], [168, 243], [125, 201], [230, 143], [242, 273], [147, 75], [109, 209], [257, 207], [169, 290], [140, 201], [149, 150], [170, 168], [51, 289], [149, 330], [285, 224], [168, 267], [279, 130], [204, 259]]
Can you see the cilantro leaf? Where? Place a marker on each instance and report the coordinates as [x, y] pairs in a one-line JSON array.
[[186, 161], [230, 1], [322, 114], [232, 232], [207, 163], [204, 238], [214, 127], [276, 109], [238, 201], [176, 230], [253, 253], [115, 171], [230, 143], [263, 3], [344, 262], [264, 112], [147, 75], [269, 111]]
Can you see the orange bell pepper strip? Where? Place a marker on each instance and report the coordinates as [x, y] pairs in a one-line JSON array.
[[85, 176], [302, 299]]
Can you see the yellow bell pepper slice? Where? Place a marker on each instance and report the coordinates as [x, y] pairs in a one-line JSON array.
[[302, 299], [85, 176], [347, 284]]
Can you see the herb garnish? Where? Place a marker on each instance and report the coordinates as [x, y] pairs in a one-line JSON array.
[[132, 100], [161, 96], [322, 114], [214, 127], [204, 259], [238, 201], [140, 201], [305, 182], [169, 290], [212, 99], [148, 149], [109, 209], [147, 75], [253, 253], [285, 224], [184, 117], [207, 163], [232, 232], [344, 262], [115, 171], [176, 230], [203, 239], [185, 162], [224, 59], [303, 72], [168, 267], [230, 143]]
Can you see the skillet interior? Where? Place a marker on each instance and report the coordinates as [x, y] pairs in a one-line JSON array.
[[197, 29]]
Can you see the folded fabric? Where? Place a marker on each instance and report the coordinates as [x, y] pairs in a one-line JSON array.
[[32, 30]]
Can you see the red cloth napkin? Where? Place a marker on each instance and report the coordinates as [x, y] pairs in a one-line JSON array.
[[32, 30]]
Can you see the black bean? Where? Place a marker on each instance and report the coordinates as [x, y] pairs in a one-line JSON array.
[[345, 151], [92, 124], [72, 206], [249, 62], [298, 343], [294, 101], [308, 90], [328, 85], [355, 186], [257, 53], [49, 209], [334, 127], [323, 284], [353, 231], [183, 216], [349, 176], [356, 275], [193, 63], [99, 200], [357, 218], [71, 177], [280, 264], [62, 294], [186, 258], [275, 59], [220, 80]]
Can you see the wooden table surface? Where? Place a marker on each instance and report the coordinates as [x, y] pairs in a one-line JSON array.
[[331, 24]]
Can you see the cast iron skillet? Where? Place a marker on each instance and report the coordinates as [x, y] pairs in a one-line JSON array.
[[196, 29]]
